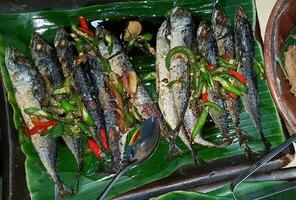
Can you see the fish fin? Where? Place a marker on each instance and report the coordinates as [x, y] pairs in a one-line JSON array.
[[62, 190]]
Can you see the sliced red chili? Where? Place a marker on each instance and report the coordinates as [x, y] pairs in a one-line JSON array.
[[83, 22], [87, 31], [237, 75], [204, 97], [210, 67], [44, 123], [104, 138], [95, 148], [35, 130]]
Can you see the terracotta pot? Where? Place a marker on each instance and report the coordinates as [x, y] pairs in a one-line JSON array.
[[281, 21]]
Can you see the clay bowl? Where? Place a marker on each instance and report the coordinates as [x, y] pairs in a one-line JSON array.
[[281, 21]]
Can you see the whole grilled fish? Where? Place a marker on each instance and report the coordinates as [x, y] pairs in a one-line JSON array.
[[112, 105], [66, 52], [208, 48], [121, 65], [47, 63], [226, 48], [245, 55], [30, 91], [85, 89]]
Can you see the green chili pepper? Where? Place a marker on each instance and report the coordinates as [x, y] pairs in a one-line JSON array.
[[37, 111], [228, 85], [219, 70], [69, 80], [130, 120], [62, 90], [85, 130], [199, 89], [182, 50], [87, 118], [109, 40], [67, 106], [236, 82], [222, 62], [211, 104], [81, 34], [200, 123], [69, 116], [72, 129]]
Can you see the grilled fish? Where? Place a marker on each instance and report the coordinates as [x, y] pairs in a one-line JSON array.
[[245, 55], [225, 41], [30, 92], [208, 48], [47, 63], [121, 65], [112, 106]]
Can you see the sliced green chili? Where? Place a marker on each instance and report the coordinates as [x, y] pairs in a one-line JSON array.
[[146, 36], [87, 118], [132, 42], [222, 62], [200, 123], [36, 111], [67, 106], [211, 104], [180, 50], [236, 82], [114, 80], [227, 85]]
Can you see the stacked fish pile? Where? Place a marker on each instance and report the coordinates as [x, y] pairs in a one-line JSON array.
[[84, 86]]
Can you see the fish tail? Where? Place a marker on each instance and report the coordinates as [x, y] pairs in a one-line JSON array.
[[62, 190]]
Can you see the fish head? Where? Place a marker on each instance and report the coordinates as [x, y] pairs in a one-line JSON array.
[[108, 44], [240, 16], [60, 38], [17, 64], [38, 44]]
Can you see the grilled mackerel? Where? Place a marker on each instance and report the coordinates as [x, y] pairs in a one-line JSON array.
[[30, 91], [226, 48], [208, 48], [245, 55], [112, 106], [48, 65]]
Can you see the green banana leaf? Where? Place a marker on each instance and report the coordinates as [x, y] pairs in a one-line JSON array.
[[16, 30], [224, 193], [291, 40]]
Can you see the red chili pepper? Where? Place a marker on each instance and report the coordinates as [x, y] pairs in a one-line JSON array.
[[231, 95], [210, 67], [204, 97], [34, 130], [83, 22], [87, 31], [95, 148], [44, 123], [237, 75], [104, 138]]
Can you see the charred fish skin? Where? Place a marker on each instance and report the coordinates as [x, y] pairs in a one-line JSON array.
[[245, 54], [66, 54], [24, 78], [46, 61], [84, 87], [112, 106], [226, 48], [66, 51], [208, 48], [121, 65]]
